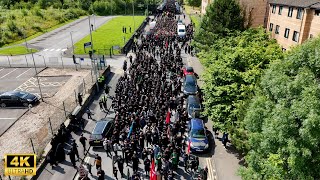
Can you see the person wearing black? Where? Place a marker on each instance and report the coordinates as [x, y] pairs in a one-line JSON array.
[[147, 166], [115, 172], [120, 163], [72, 157], [101, 174], [80, 99], [135, 163], [52, 159], [83, 142], [75, 149]]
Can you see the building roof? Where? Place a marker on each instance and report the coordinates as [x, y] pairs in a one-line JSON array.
[[316, 6], [297, 3]]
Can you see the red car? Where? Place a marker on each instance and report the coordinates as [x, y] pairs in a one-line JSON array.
[[187, 71]]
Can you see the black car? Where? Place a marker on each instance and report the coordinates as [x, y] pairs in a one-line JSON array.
[[17, 98], [102, 130], [193, 106], [190, 85]]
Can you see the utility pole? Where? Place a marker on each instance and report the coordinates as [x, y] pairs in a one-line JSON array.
[[35, 68], [147, 7], [134, 24], [72, 42], [92, 63]]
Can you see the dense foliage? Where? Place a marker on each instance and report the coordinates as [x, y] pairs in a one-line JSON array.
[[195, 3], [233, 66], [283, 119]]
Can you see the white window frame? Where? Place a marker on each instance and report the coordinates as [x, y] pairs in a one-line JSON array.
[[295, 36], [286, 33]]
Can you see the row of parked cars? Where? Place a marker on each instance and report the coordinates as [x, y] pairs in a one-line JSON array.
[[197, 133]]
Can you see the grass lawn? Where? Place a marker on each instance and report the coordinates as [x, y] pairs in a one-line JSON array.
[[191, 10], [16, 50], [196, 20], [109, 34]]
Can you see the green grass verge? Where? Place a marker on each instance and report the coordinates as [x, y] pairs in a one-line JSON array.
[[191, 10], [109, 34], [196, 20], [41, 33], [16, 50]]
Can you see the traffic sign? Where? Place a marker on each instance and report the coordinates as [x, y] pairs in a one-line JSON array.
[[87, 44]]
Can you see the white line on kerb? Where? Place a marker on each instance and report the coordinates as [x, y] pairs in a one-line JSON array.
[[8, 118], [8, 73], [23, 73], [58, 49]]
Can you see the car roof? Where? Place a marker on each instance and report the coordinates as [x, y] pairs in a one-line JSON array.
[[196, 123], [190, 77], [181, 26], [100, 125], [13, 92], [193, 99], [189, 69]]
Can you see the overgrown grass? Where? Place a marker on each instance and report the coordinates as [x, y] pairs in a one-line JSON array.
[[191, 10], [196, 19], [16, 50], [109, 34], [16, 24]]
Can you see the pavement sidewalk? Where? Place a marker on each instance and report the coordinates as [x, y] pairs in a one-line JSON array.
[[65, 170]]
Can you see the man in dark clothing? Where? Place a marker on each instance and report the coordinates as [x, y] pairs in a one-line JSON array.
[[75, 149], [52, 159], [147, 166], [135, 163], [115, 172], [83, 142], [72, 157], [120, 163], [80, 99], [100, 174]]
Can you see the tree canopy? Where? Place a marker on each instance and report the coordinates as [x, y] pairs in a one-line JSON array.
[[283, 119]]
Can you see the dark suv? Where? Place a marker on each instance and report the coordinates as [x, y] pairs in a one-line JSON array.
[[17, 98], [102, 130]]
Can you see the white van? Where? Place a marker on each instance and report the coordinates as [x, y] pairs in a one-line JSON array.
[[181, 30], [152, 25]]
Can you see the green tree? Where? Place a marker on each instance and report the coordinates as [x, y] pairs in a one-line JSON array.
[[233, 66], [194, 3], [223, 16], [283, 119]]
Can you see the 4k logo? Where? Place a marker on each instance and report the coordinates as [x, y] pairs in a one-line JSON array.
[[20, 164]]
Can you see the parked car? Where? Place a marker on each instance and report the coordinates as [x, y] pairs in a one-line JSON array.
[[181, 30], [193, 106], [190, 85], [17, 98], [188, 71], [197, 136], [102, 130]]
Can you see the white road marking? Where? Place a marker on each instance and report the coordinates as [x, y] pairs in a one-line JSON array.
[[211, 174], [58, 49], [23, 73], [45, 49], [1, 69], [8, 73], [64, 50], [8, 118], [51, 49]]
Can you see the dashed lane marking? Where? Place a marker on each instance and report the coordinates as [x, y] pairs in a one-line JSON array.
[[64, 50], [58, 49], [45, 49], [8, 73], [1, 69], [23, 73], [52, 49]]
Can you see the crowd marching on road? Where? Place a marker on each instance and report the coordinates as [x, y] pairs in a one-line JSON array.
[[150, 118]]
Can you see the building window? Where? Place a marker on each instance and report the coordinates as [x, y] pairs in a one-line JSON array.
[[311, 36], [286, 33], [271, 27], [295, 36], [290, 11], [299, 13], [317, 12], [277, 29], [274, 9], [280, 10]]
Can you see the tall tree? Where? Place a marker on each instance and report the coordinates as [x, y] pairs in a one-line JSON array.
[[283, 119]]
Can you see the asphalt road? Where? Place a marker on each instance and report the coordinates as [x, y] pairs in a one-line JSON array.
[[9, 117]]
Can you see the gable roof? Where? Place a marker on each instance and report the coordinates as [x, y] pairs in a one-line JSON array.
[[296, 3]]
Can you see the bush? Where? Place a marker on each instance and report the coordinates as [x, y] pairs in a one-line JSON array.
[[38, 12]]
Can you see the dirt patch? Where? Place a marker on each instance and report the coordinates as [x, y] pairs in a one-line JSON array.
[[35, 123]]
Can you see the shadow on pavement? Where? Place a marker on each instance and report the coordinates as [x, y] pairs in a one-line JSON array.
[[181, 173], [59, 169], [232, 150]]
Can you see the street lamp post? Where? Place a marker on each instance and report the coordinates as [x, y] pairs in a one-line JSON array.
[[134, 24], [94, 21], [93, 64], [72, 42], [35, 68]]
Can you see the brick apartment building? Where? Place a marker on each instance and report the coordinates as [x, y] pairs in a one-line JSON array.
[[292, 22], [256, 10]]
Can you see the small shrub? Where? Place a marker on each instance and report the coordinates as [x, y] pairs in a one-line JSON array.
[[37, 28], [24, 12], [12, 17], [38, 12]]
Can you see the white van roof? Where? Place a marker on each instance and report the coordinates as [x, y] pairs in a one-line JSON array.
[[181, 26]]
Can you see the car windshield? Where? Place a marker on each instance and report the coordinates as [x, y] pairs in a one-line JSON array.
[[198, 133], [181, 30], [196, 106], [21, 94]]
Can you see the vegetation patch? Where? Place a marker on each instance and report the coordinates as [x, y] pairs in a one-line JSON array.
[[16, 50], [110, 34]]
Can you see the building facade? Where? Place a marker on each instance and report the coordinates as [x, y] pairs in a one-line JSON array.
[[292, 22], [256, 11]]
